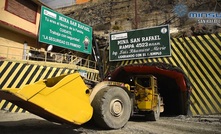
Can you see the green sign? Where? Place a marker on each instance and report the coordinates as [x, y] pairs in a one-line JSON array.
[[142, 43], [62, 31]]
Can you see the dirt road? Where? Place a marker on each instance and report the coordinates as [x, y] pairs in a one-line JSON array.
[[25, 123]]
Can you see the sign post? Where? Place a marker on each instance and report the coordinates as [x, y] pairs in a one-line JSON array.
[[62, 31], [142, 43]]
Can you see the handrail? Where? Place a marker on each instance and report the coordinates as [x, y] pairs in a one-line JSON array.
[[17, 53]]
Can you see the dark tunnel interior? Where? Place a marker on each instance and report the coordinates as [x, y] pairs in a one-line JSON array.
[[175, 100], [172, 96]]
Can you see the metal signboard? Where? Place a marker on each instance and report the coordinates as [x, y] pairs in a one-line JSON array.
[[62, 31], [141, 43]]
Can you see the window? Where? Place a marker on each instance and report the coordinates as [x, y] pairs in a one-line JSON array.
[[25, 9]]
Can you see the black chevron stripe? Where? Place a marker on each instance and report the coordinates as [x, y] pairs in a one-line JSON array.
[[214, 50], [205, 57], [5, 104], [9, 74], [41, 73], [16, 76], [180, 53], [33, 74], [1, 62], [11, 107], [5, 68], [56, 72], [63, 71], [26, 72], [48, 73]]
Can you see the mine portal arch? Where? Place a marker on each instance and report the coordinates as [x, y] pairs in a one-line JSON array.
[[173, 84]]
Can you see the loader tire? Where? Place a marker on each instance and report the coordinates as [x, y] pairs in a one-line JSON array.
[[112, 108], [155, 114]]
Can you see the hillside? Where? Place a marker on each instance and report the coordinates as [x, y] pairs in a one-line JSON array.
[[107, 16]]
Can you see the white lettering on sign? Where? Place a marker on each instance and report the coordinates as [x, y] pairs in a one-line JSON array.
[[83, 27], [155, 53], [135, 40], [122, 42], [57, 40], [65, 31], [126, 46], [54, 32], [73, 23], [150, 38], [63, 19]]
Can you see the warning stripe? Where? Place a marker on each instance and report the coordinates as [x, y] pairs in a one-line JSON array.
[[207, 68], [16, 75], [200, 59], [205, 72]]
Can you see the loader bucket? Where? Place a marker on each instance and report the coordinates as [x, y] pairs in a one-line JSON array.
[[62, 99]]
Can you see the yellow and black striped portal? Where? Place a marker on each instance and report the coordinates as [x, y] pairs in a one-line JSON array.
[[17, 74], [199, 57]]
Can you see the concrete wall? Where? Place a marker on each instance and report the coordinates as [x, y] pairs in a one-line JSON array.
[[12, 43]]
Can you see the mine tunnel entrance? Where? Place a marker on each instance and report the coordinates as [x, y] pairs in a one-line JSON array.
[[174, 99], [173, 85]]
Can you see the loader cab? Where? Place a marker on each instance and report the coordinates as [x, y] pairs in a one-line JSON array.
[[144, 82], [145, 91]]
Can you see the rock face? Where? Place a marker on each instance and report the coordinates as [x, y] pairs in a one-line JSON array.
[[122, 15]]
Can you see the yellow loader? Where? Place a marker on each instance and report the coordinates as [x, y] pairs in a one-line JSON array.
[[68, 99]]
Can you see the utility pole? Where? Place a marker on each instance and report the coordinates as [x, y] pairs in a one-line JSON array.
[[135, 14]]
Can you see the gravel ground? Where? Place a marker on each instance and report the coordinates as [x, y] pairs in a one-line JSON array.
[[26, 123]]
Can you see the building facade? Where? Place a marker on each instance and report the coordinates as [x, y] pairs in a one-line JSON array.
[[19, 24]]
